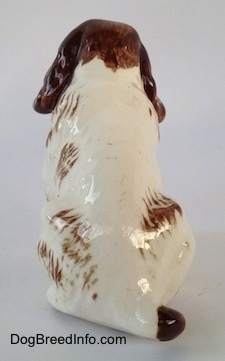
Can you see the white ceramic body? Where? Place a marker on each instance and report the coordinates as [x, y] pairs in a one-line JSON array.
[[105, 265]]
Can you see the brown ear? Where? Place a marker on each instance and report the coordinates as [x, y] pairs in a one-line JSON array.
[[149, 84], [60, 74]]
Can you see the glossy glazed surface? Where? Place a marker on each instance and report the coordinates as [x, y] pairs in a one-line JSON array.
[[116, 248]]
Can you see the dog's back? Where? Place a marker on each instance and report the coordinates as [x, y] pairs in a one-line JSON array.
[[110, 237]]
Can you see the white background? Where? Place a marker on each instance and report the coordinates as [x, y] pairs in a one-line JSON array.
[[185, 41]]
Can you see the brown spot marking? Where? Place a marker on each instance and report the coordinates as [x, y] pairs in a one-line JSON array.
[[94, 296], [87, 276], [159, 209], [68, 157], [150, 112]]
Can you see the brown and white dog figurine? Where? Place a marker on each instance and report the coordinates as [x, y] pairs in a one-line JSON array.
[[115, 247]]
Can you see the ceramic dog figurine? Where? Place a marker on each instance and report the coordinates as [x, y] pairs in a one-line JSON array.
[[115, 247]]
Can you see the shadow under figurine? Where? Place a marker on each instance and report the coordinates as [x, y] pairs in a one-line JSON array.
[[115, 247]]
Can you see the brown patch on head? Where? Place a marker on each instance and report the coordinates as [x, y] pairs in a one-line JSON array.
[[68, 157], [159, 209], [170, 324], [117, 44]]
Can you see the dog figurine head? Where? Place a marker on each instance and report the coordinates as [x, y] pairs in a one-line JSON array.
[[117, 44]]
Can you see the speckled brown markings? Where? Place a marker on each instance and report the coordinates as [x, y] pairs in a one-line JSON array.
[[117, 44], [74, 252], [159, 209], [94, 296], [88, 275], [68, 157], [75, 248]]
